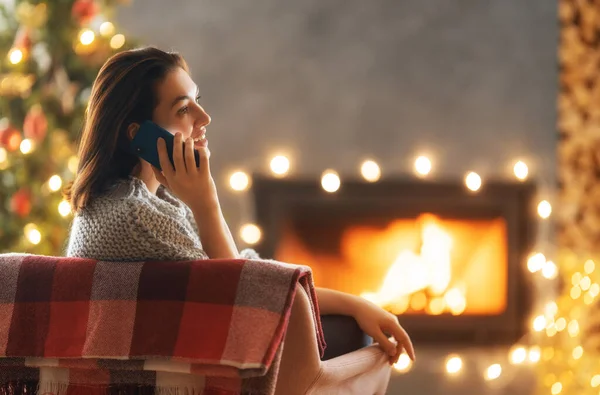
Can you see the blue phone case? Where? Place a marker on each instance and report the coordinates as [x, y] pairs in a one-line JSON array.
[[144, 144]]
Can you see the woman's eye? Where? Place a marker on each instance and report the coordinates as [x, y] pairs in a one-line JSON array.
[[198, 98], [183, 110]]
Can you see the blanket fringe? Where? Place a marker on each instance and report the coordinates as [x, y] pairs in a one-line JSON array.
[[49, 388]]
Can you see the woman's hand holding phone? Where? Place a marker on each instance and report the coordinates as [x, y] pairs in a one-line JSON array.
[[192, 185]]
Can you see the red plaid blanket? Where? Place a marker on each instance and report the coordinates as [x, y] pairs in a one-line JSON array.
[[206, 326]]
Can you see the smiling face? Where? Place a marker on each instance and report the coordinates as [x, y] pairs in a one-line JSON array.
[[178, 109]]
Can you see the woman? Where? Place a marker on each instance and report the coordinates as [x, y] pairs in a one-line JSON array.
[[126, 209]]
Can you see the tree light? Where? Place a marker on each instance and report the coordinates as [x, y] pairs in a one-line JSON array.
[[54, 183], [15, 55], [26, 146], [117, 41], [64, 208], [86, 37], [518, 355]]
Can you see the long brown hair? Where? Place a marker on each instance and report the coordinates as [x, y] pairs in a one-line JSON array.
[[124, 92]]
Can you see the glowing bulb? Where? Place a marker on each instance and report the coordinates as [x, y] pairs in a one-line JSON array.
[[26, 146], [280, 165], [64, 208], [15, 55], [550, 271], [556, 388], [86, 37], [594, 289], [521, 170], [539, 323], [518, 355], [32, 233], [573, 328], [534, 354], [370, 171], [239, 181], [493, 371], [577, 352], [595, 381], [551, 308], [106, 29], [3, 155], [576, 278], [473, 181], [544, 209], [54, 183], [404, 364], [330, 181], [117, 41], [250, 233], [575, 292], [585, 283], [536, 262], [589, 266], [561, 324], [422, 166], [454, 364], [72, 164]]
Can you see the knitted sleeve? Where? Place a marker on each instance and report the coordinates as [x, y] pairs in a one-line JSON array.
[[247, 253], [163, 238]]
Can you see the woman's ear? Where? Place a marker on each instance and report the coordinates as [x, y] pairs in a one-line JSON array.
[[132, 130]]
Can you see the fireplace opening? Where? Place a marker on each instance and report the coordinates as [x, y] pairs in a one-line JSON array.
[[449, 262]]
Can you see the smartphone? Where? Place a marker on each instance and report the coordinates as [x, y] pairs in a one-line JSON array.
[[144, 144]]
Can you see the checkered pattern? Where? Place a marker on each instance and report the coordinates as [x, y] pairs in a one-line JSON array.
[[211, 326]]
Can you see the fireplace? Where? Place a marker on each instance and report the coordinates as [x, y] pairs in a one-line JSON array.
[[450, 262]]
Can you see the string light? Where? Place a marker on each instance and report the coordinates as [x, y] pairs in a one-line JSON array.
[[107, 29], [404, 364], [550, 271], [589, 266], [493, 371], [544, 209], [239, 181], [15, 56], [422, 166], [86, 37], [473, 181], [3, 155], [54, 183], [117, 41], [250, 233], [518, 355], [26, 146], [64, 208], [536, 262], [280, 165], [521, 171], [556, 388], [32, 233], [454, 364], [72, 164], [534, 354], [370, 171], [330, 181]]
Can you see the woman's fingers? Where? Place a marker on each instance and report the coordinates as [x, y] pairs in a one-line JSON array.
[[163, 157], [386, 344], [178, 160], [190, 161], [401, 337]]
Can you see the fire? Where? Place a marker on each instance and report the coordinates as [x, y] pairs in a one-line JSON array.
[[428, 265], [429, 272]]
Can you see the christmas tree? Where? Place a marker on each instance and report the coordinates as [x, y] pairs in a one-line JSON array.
[[51, 52]]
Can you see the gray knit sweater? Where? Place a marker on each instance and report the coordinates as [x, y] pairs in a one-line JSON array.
[[129, 223]]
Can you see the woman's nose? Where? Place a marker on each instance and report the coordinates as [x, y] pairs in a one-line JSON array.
[[203, 118]]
